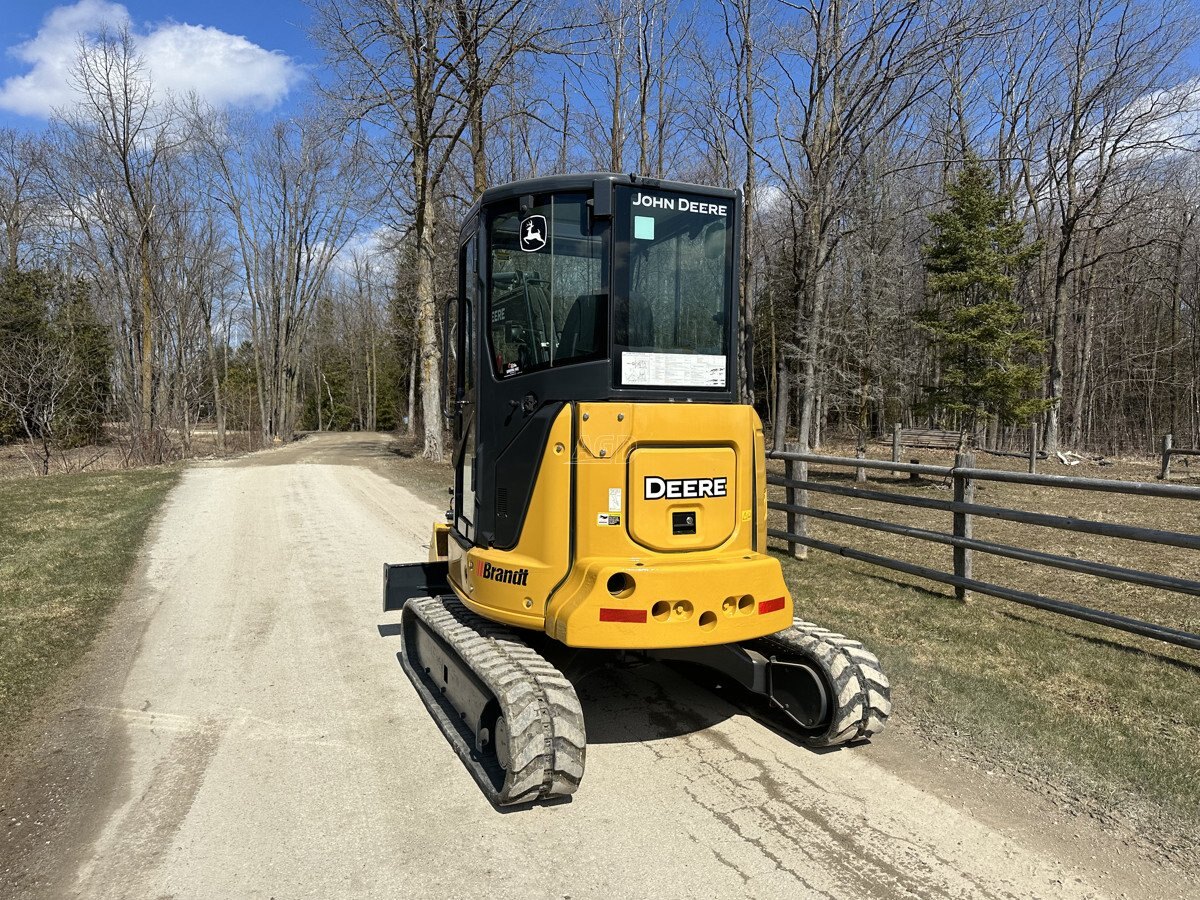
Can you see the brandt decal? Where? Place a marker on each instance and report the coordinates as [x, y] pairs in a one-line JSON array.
[[504, 576]]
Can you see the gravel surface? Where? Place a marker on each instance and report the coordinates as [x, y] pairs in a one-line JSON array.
[[247, 731]]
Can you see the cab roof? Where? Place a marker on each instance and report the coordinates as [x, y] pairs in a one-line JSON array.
[[587, 181]]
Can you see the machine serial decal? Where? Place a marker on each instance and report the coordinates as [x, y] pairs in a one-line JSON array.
[[683, 488], [504, 576]]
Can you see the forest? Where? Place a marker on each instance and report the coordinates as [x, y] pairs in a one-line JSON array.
[[974, 215]]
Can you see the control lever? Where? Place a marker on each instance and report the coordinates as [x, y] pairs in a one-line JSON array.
[[527, 404]]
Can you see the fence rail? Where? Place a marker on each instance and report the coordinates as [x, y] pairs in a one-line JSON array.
[[964, 476], [1168, 450]]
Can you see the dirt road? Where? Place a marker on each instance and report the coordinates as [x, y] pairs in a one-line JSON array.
[[261, 740]]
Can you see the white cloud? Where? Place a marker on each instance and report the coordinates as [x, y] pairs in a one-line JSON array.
[[368, 245], [224, 69]]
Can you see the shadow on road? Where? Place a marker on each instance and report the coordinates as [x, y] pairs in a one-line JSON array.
[[635, 703]]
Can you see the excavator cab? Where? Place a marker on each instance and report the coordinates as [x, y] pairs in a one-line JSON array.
[[609, 489]]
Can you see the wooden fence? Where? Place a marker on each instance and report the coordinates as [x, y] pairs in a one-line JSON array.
[[964, 510], [1168, 450]]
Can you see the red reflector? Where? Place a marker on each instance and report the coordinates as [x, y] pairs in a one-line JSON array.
[[770, 606], [622, 615]]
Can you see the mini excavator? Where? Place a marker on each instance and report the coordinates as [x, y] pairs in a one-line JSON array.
[[610, 492]]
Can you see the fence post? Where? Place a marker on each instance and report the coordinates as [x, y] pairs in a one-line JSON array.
[[896, 446], [1033, 448], [796, 470], [860, 474], [1166, 457], [964, 492]]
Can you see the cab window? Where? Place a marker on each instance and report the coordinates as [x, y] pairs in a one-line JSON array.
[[547, 296], [673, 285]]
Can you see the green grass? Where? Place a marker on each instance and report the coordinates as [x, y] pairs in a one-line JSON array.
[[1107, 717], [67, 545]]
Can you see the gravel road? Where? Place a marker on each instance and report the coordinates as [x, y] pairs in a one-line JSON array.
[[262, 741]]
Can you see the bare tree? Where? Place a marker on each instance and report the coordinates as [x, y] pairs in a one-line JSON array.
[[1109, 98], [293, 192], [852, 70], [419, 72], [24, 194], [113, 144], [40, 385], [396, 66]]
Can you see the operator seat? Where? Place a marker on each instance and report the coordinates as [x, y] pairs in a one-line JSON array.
[[583, 329]]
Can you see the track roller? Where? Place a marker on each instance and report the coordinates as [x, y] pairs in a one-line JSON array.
[[512, 717], [826, 688], [859, 696]]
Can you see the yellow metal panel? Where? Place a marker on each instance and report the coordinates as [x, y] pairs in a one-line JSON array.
[[710, 598], [703, 583], [512, 586], [699, 483], [760, 478]]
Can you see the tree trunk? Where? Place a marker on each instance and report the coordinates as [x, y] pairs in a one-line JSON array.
[[814, 281], [617, 136], [427, 327], [1080, 382], [215, 376], [410, 427], [1058, 332], [746, 336], [146, 412], [783, 391]]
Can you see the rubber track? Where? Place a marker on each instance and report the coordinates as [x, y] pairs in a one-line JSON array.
[[861, 694], [547, 739]]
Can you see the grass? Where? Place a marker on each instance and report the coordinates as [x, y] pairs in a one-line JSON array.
[[426, 478], [1110, 718], [67, 545]]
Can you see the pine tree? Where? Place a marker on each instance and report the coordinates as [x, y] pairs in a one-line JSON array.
[[985, 349]]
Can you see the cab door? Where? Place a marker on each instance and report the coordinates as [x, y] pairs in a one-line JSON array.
[[466, 434]]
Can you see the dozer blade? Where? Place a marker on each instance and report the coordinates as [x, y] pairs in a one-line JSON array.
[[512, 717], [402, 581]]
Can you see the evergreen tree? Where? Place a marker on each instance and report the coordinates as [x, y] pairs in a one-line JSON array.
[[985, 349], [45, 317], [76, 327], [23, 313]]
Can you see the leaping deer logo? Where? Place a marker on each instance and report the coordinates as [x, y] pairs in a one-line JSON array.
[[533, 233]]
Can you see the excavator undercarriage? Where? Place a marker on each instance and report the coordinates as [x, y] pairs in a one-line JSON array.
[[515, 720]]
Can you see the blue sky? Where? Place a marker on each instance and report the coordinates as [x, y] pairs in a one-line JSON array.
[[252, 53]]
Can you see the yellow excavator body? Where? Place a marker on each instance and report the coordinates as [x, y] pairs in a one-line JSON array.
[[646, 530]]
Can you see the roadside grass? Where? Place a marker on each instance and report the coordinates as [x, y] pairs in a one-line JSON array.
[[426, 478], [1109, 718], [67, 544]]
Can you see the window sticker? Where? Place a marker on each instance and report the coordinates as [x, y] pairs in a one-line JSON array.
[[533, 233], [673, 369], [643, 228]]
